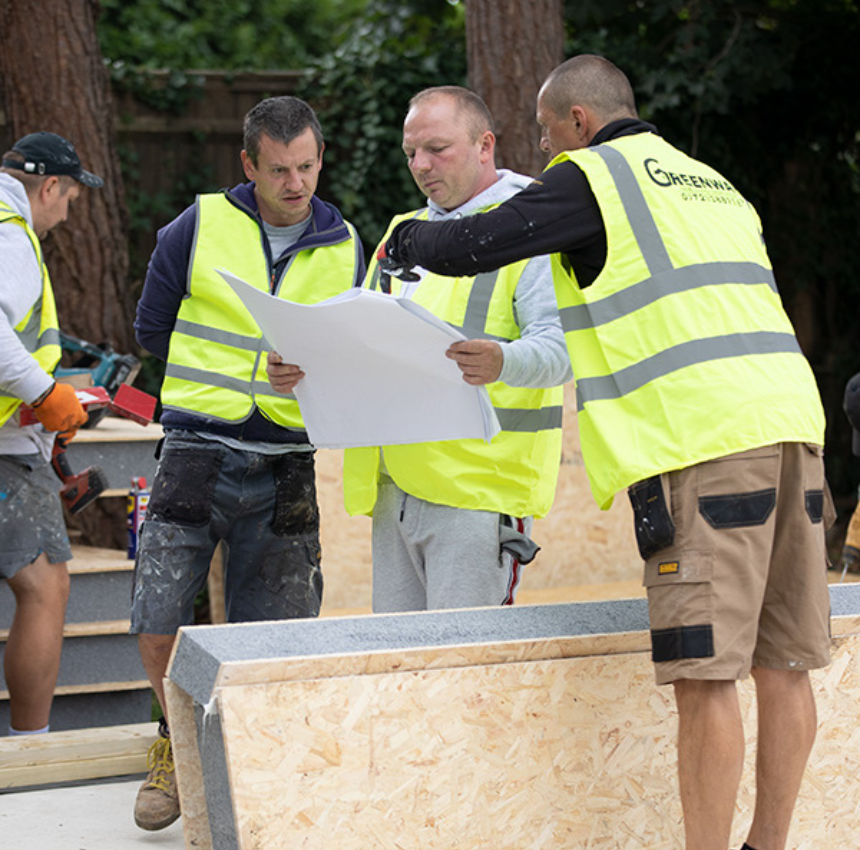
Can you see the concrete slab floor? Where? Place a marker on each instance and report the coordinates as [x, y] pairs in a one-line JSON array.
[[80, 817]]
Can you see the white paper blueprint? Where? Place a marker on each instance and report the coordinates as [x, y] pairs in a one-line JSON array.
[[375, 369]]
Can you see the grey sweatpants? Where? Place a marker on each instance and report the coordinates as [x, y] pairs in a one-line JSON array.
[[428, 556]]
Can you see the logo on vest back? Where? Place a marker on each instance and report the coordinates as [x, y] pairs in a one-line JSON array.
[[696, 187]]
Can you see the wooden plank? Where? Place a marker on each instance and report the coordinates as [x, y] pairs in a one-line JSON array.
[[80, 754], [70, 630], [113, 429], [93, 559], [94, 688]]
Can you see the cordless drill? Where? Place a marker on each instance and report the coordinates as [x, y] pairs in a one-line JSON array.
[[80, 489]]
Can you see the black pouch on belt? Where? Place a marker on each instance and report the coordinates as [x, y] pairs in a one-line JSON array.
[[655, 529]]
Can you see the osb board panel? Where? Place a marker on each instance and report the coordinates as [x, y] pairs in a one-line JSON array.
[[509, 756], [580, 544], [546, 754]]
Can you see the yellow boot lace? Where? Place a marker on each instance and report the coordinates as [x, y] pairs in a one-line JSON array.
[[159, 760]]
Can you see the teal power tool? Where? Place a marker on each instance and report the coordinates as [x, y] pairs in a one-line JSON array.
[[107, 368]]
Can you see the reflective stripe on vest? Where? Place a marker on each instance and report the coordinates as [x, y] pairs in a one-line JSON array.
[[39, 330], [681, 349], [516, 473], [217, 364]]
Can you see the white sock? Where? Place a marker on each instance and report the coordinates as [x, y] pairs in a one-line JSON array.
[[42, 731]]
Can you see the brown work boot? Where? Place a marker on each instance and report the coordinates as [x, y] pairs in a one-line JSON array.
[[157, 804]]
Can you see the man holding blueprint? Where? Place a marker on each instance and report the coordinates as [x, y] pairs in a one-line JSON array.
[[236, 465], [451, 518]]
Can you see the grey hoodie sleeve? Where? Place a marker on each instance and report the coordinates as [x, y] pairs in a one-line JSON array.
[[539, 358], [20, 288]]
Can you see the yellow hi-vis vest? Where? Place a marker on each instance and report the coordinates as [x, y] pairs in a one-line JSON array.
[[216, 365], [516, 473], [681, 349], [39, 330]]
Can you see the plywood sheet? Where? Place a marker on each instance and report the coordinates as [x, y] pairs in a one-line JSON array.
[[538, 754]]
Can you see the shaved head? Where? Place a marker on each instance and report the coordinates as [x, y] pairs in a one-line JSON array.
[[471, 110], [593, 82]]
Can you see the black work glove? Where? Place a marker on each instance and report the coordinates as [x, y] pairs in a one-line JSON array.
[[390, 266]]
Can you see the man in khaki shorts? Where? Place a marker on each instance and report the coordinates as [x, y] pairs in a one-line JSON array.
[[693, 395], [733, 591]]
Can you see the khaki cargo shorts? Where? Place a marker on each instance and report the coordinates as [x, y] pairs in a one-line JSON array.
[[736, 563]]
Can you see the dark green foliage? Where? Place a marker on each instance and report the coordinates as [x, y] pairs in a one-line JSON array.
[[362, 90], [222, 34], [766, 93]]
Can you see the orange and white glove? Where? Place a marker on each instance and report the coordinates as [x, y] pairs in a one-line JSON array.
[[60, 409]]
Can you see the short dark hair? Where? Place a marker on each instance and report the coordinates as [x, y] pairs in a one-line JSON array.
[[283, 119], [593, 81], [477, 114]]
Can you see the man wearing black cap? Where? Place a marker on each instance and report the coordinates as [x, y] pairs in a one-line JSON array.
[[39, 179]]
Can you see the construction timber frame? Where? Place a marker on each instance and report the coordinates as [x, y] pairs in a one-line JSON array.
[[533, 726]]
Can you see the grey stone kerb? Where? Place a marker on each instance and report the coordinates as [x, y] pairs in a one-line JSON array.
[[204, 649]]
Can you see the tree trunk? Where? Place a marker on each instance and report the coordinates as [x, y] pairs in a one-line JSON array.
[[512, 45], [54, 79]]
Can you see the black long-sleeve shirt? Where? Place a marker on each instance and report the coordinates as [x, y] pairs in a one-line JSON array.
[[557, 213]]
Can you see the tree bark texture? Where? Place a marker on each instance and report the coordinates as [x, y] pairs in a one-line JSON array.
[[54, 79], [511, 47]]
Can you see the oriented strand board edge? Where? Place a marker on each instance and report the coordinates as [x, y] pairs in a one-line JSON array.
[[189, 769], [424, 658]]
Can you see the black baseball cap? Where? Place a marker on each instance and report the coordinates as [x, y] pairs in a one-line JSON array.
[[851, 405], [47, 153]]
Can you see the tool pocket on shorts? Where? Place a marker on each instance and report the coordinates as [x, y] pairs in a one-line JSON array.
[[738, 510], [653, 524], [680, 604], [296, 509], [295, 576], [184, 485]]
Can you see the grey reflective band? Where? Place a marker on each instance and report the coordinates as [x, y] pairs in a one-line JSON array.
[[209, 379], [265, 388], [51, 336], [214, 379], [529, 420], [475, 320], [29, 334], [670, 282], [374, 278], [681, 356], [240, 341], [638, 213]]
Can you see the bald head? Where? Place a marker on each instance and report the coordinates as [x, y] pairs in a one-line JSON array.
[[577, 99], [590, 81], [471, 111]]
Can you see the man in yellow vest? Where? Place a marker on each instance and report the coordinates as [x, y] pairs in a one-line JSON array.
[[236, 465], [452, 519], [693, 394], [39, 179]]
